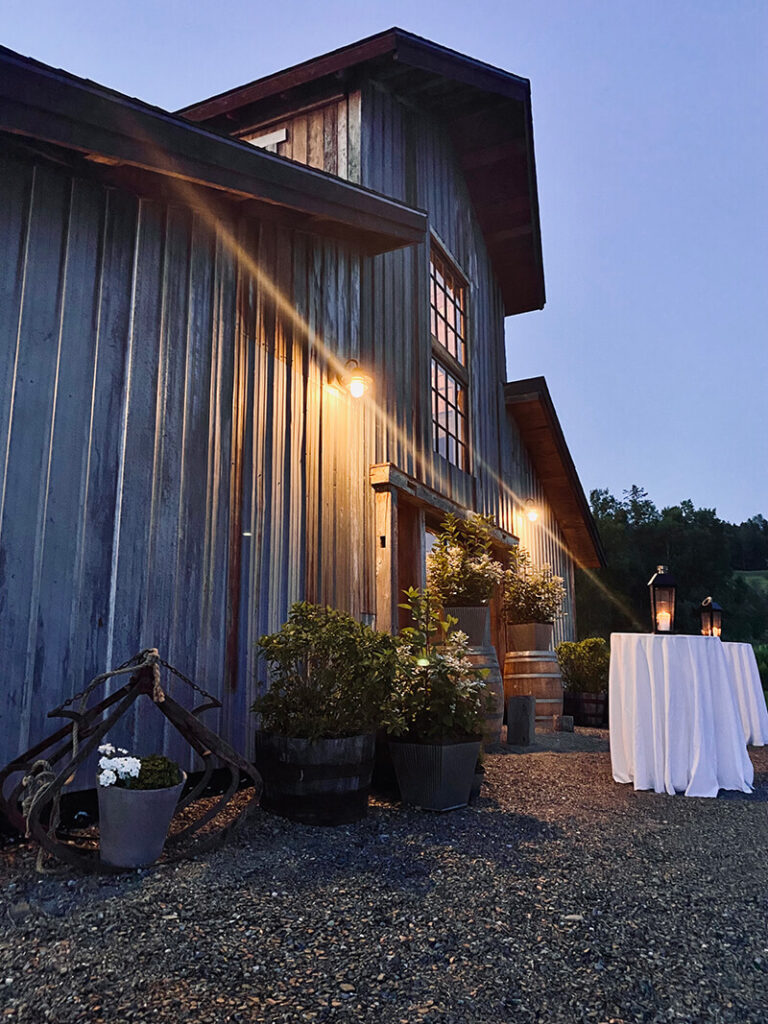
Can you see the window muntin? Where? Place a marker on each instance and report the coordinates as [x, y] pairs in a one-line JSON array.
[[449, 418], [448, 319], [449, 356]]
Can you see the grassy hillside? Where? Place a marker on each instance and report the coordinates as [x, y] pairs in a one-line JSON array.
[[757, 579]]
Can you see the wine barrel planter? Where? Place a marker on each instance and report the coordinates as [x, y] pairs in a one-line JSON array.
[[475, 621], [588, 709], [535, 673], [316, 782]]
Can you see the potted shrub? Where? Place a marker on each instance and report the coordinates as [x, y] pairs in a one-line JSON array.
[[584, 668], [137, 800], [329, 678], [435, 714], [533, 598], [463, 575]]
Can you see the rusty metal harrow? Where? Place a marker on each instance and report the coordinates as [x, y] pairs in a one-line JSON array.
[[32, 804]]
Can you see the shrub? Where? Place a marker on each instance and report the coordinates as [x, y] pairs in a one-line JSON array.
[[761, 655], [330, 675], [461, 570], [438, 694], [584, 665], [532, 593]]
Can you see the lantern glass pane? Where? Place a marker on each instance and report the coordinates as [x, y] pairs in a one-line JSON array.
[[665, 609], [717, 623]]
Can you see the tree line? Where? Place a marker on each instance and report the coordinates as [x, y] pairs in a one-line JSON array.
[[706, 555]]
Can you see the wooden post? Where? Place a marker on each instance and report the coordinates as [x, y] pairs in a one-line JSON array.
[[521, 721], [386, 558]]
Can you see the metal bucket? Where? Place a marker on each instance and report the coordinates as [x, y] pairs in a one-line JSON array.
[[134, 823]]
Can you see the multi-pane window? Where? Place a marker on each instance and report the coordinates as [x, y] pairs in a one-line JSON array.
[[449, 360]]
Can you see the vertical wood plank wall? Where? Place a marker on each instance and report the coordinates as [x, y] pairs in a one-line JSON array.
[[371, 137], [162, 402]]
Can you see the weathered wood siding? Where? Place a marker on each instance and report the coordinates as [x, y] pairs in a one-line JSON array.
[[407, 155], [174, 470], [396, 149], [325, 136]]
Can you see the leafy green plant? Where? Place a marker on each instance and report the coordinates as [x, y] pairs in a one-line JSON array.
[[330, 675], [532, 593], [461, 570], [438, 694], [584, 665], [761, 656]]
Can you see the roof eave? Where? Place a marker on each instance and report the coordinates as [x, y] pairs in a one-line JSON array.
[[555, 468], [40, 102]]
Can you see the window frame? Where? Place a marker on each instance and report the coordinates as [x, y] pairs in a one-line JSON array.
[[441, 355]]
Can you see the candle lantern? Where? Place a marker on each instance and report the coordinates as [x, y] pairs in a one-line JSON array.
[[662, 587], [711, 618]]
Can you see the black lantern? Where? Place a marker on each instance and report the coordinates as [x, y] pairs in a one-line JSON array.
[[711, 618], [662, 587]]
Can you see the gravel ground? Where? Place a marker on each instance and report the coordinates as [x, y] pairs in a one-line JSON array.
[[560, 897]]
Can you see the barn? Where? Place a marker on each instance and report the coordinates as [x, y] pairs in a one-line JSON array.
[[185, 300]]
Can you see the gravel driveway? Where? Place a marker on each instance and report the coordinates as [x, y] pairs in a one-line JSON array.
[[560, 897]]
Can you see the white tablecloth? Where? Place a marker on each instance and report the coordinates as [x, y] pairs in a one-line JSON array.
[[749, 692], [674, 720]]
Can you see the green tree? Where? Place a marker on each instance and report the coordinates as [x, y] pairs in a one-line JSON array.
[[700, 550]]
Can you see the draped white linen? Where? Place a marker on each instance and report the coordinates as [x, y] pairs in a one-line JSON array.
[[674, 720], [749, 692]]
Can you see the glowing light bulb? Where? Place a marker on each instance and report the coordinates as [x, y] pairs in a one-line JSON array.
[[357, 385], [531, 511]]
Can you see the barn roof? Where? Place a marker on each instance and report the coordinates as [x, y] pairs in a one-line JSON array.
[[125, 135], [487, 112], [530, 404]]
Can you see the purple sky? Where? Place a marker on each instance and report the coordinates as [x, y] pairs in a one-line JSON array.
[[651, 129]]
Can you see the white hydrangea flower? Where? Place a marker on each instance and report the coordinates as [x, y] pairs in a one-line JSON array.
[[107, 749], [127, 767], [107, 777]]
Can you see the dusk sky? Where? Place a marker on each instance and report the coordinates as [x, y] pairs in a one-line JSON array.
[[651, 132]]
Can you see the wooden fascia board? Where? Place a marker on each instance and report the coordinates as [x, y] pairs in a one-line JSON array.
[[408, 49], [529, 402], [290, 78], [37, 102], [457, 67], [386, 475]]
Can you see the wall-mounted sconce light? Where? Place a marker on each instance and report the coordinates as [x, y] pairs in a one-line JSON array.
[[531, 510], [353, 379]]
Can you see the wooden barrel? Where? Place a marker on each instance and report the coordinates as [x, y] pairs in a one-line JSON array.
[[535, 673], [484, 658], [475, 621], [316, 782]]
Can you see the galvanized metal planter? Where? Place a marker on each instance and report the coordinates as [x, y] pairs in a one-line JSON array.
[[134, 823], [435, 777], [316, 782]]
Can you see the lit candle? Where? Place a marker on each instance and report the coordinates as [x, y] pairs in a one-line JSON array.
[[716, 631], [663, 621]]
